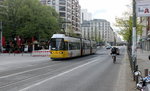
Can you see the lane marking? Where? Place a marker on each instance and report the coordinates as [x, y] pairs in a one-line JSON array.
[[30, 70], [25, 71], [34, 85]]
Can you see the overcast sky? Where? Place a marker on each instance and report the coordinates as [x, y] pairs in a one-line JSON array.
[[105, 9]]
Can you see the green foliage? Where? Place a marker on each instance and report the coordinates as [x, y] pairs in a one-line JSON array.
[[125, 25], [28, 18]]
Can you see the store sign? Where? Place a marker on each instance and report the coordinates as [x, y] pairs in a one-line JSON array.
[[143, 8]]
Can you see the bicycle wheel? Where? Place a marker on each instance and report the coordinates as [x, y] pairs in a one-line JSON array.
[[114, 59]]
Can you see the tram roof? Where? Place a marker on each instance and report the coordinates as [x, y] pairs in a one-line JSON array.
[[58, 36]]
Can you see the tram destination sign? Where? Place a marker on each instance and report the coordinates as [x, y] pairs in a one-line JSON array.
[[143, 8]]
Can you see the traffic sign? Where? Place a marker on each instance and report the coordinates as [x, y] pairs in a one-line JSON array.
[[143, 8]]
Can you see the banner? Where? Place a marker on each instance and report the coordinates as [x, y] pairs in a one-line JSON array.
[[3, 41], [143, 8]]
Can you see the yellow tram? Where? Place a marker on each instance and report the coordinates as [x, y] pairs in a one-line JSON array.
[[67, 47]]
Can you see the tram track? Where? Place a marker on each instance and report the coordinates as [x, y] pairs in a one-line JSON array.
[[33, 75], [18, 70]]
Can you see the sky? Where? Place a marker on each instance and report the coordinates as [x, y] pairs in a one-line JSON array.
[[105, 9]]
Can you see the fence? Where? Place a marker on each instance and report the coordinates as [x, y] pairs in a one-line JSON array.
[[41, 53]]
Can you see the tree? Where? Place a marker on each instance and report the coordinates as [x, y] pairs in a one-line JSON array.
[[29, 18], [125, 25]]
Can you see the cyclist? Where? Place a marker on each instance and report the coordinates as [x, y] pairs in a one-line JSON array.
[[113, 53], [114, 50]]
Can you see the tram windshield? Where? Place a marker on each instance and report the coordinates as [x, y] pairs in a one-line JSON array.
[[57, 44]]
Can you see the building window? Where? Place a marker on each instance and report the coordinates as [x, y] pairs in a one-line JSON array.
[[62, 8], [62, 14], [49, 1], [62, 2]]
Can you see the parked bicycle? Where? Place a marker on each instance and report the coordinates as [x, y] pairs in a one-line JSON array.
[[143, 82]]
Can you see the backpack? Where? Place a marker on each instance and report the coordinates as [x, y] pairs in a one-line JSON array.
[[113, 50]]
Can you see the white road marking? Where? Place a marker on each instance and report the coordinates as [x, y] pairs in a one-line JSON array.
[[24, 72], [28, 71], [25, 89]]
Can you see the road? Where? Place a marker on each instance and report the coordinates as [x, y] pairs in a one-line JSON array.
[[89, 73]]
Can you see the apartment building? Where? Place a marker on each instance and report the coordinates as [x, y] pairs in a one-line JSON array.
[[145, 37], [97, 29], [69, 11]]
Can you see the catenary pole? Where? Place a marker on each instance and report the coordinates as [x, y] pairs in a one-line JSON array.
[[134, 55]]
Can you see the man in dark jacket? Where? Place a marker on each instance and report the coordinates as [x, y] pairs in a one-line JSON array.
[[114, 50]]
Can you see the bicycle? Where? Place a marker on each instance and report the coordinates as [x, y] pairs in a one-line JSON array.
[[142, 81], [114, 58]]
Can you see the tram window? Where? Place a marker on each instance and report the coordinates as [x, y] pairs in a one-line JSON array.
[[66, 46], [57, 44], [70, 46], [78, 45], [74, 46]]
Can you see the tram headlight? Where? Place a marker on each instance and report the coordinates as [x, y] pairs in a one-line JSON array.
[[61, 52]]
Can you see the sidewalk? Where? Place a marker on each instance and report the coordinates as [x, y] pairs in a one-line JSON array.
[[125, 80], [143, 63], [142, 60]]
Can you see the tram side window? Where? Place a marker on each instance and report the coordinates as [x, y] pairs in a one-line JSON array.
[[78, 45], [74, 46], [70, 46], [66, 46], [88, 46], [93, 45], [85, 46]]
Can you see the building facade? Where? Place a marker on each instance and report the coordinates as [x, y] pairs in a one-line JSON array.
[[97, 29], [145, 37], [69, 11]]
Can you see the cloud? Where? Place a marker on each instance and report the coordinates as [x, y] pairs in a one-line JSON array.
[[105, 9]]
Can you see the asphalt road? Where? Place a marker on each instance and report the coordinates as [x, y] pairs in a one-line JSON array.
[[89, 73]]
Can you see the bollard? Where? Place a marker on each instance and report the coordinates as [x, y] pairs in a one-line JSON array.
[[136, 78], [134, 70], [146, 72]]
